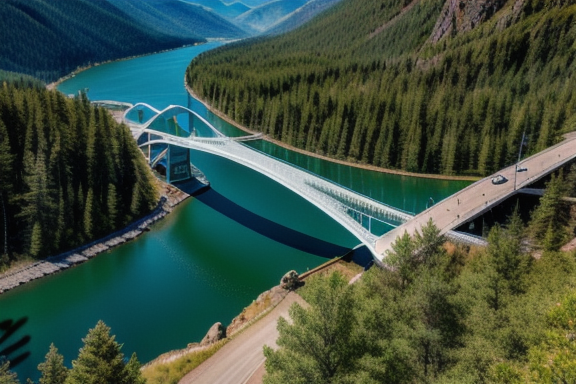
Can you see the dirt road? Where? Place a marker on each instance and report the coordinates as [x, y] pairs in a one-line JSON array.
[[239, 359]]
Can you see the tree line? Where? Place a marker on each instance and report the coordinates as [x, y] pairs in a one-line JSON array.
[[443, 313], [69, 173], [100, 360], [363, 83]]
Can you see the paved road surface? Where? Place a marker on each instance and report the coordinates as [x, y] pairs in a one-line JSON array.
[[480, 196], [239, 359]]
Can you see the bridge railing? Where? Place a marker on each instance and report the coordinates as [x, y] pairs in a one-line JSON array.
[[352, 192]]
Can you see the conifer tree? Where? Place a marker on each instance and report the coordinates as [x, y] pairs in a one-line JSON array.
[[53, 369], [101, 361], [324, 340], [133, 374], [7, 376]]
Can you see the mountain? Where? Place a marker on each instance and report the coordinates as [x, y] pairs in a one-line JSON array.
[[178, 18], [229, 11], [261, 18], [48, 39], [254, 3], [300, 16], [434, 86]]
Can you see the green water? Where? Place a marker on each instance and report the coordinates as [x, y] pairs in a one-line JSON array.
[[199, 265]]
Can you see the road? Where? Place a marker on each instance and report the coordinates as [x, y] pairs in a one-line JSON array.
[[239, 359], [482, 195]]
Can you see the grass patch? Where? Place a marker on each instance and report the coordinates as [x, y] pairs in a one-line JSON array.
[[172, 372]]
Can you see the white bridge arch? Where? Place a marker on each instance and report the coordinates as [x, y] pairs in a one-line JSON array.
[[350, 209]]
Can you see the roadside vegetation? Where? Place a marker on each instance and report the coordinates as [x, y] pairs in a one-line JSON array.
[[69, 173], [444, 313], [172, 372], [365, 83]]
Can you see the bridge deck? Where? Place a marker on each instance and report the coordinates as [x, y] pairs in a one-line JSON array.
[[482, 195]]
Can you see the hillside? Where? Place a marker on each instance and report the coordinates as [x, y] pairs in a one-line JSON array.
[[48, 39], [178, 18], [261, 18], [300, 16], [391, 84]]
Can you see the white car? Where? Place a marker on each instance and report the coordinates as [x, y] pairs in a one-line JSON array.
[[499, 179]]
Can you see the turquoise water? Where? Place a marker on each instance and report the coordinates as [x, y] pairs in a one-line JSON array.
[[208, 259]]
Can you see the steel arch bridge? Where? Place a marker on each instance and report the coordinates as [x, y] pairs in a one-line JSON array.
[[353, 211]]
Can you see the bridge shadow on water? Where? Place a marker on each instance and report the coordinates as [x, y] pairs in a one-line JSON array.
[[269, 228]]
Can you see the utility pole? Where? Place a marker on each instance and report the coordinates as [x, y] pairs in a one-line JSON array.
[[519, 156], [5, 224]]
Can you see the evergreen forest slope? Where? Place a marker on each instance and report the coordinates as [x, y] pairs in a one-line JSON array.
[[300, 16], [48, 39], [69, 173], [414, 85]]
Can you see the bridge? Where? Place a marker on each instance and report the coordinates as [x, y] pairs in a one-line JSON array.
[[481, 196], [355, 212]]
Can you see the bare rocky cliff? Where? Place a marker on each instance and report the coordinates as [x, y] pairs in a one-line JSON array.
[[463, 15]]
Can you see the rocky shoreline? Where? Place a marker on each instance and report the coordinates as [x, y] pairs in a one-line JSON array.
[[14, 278]]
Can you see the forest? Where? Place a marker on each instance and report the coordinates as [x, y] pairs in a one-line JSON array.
[[444, 313], [50, 39], [364, 82], [69, 173]]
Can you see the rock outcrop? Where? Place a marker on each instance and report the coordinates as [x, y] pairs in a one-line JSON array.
[[463, 15], [216, 333], [290, 281]]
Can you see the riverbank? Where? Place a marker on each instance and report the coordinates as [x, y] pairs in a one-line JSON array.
[[23, 274], [55, 84], [174, 365], [323, 157]]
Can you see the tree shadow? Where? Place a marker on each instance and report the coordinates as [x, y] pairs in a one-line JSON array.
[[269, 228], [12, 349]]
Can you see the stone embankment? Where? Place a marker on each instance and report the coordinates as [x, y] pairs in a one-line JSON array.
[[13, 278]]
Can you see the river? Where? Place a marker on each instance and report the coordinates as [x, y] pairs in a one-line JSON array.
[[199, 265]]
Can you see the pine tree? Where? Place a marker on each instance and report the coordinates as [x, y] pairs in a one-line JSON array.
[[53, 369], [323, 342], [89, 213], [100, 360], [6, 376], [133, 374], [551, 215], [402, 258]]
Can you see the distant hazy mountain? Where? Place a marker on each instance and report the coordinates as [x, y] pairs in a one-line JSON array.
[[179, 18], [263, 17], [300, 16], [252, 3], [227, 10]]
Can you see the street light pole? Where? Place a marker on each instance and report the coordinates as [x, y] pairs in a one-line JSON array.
[[519, 156]]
